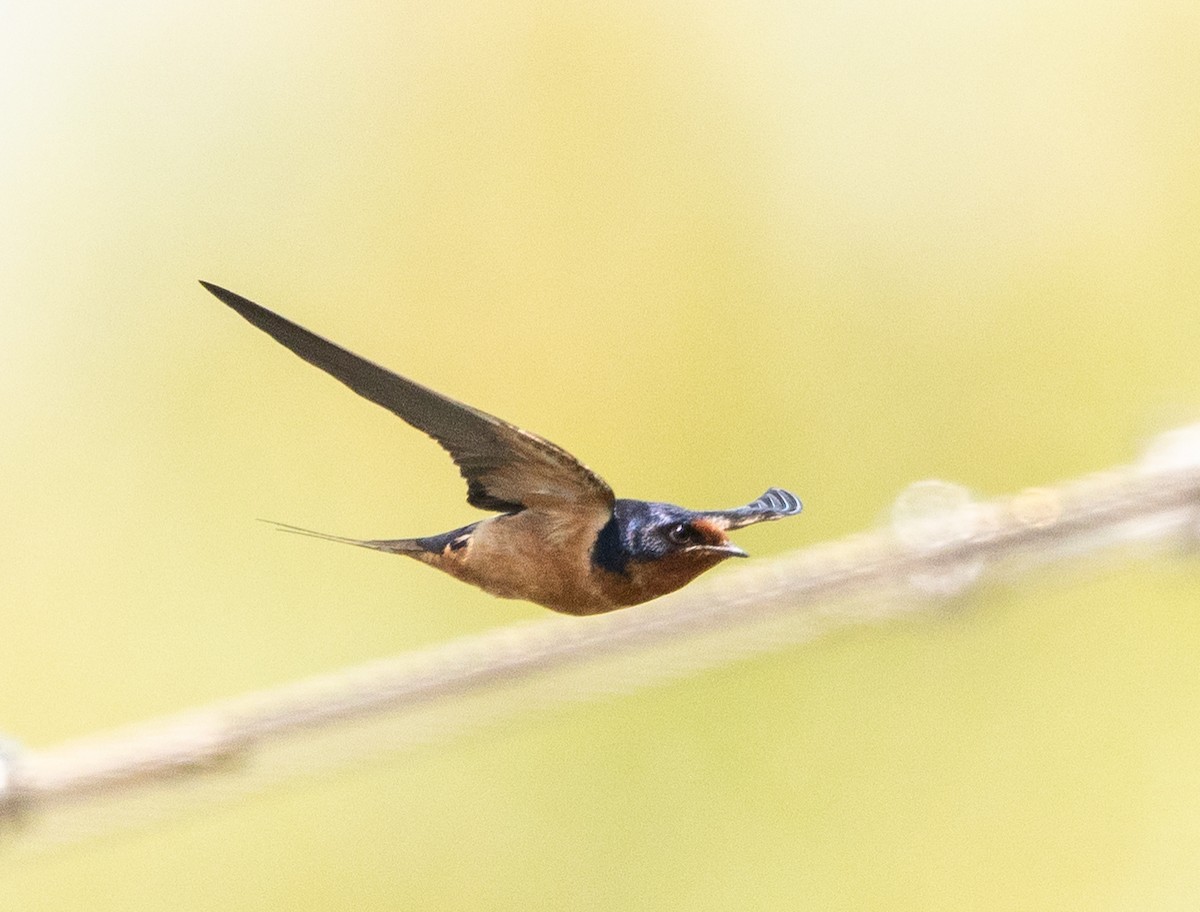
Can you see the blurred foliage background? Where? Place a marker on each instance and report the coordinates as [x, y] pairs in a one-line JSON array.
[[707, 246]]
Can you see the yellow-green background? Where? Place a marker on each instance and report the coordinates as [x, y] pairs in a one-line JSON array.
[[710, 247]]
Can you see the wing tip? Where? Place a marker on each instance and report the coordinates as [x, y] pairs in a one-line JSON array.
[[225, 296], [781, 501]]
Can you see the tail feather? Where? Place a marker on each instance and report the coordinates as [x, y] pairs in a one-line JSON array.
[[391, 546]]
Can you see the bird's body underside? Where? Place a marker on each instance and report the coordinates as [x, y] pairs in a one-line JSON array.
[[532, 556], [561, 540]]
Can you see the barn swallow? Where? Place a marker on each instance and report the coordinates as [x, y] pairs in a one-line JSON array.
[[561, 539]]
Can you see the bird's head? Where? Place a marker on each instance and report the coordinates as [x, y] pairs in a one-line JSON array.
[[644, 532], [654, 531], [649, 549]]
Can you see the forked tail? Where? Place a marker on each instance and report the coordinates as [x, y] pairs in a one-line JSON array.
[[391, 546]]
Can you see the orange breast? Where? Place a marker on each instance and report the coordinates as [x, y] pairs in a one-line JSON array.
[[645, 580], [540, 557]]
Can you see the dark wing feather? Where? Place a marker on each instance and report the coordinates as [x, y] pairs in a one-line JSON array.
[[776, 503], [506, 468]]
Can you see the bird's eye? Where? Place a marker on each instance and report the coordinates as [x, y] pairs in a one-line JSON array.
[[684, 534]]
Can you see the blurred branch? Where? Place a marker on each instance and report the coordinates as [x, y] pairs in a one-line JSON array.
[[939, 545]]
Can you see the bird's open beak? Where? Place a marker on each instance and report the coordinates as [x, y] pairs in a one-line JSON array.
[[729, 549]]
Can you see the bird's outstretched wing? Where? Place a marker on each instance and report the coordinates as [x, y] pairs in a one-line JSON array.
[[507, 469], [776, 503]]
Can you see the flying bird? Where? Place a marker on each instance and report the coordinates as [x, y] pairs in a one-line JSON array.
[[561, 539]]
